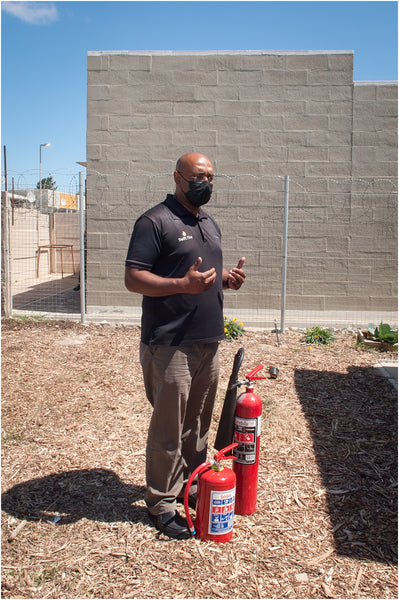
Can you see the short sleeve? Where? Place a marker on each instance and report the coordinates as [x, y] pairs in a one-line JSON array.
[[145, 244]]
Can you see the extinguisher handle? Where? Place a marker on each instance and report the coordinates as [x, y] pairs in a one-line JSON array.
[[251, 375], [221, 454]]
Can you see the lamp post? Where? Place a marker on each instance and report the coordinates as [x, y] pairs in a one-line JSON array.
[[40, 175], [40, 192]]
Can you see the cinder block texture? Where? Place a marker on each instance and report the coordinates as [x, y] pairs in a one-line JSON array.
[[259, 116]]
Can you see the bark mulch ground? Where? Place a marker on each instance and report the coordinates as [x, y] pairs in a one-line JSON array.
[[74, 425]]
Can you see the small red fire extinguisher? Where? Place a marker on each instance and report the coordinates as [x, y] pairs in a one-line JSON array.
[[215, 499], [247, 429]]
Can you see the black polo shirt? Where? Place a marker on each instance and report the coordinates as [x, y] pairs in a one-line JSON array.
[[167, 240]]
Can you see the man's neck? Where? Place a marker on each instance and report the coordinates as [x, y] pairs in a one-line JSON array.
[[180, 197]]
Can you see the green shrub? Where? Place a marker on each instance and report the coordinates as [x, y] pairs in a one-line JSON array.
[[384, 333], [317, 335], [233, 329]]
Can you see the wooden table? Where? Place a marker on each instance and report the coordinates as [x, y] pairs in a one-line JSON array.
[[61, 248]]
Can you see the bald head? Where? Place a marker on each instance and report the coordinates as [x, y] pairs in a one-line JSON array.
[[192, 160]]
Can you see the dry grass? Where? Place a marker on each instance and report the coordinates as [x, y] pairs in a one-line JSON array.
[[73, 454]]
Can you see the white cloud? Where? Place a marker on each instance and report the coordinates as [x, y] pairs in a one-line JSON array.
[[35, 13]]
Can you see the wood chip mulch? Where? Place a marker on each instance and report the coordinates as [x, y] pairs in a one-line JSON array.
[[74, 425]]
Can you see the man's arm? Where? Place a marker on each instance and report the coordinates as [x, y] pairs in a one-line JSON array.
[[149, 284]]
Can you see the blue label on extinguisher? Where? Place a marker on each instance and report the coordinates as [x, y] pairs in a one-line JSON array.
[[221, 512]]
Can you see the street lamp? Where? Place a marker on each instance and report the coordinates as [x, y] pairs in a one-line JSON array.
[[40, 175]]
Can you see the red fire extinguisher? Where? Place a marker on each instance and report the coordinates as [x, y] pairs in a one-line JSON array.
[[247, 429], [215, 499]]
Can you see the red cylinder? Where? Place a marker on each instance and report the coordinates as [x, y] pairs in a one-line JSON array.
[[215, 504], [247, 428]]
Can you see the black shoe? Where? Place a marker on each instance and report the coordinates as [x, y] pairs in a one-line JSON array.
[[171, 524]]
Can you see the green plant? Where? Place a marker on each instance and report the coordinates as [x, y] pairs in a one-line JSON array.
[[14, 435], [49, 574], [233, 329], [48, 183], [317, 335], [384, 333]]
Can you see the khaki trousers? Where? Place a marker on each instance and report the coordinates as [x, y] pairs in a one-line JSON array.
[[181, 384]]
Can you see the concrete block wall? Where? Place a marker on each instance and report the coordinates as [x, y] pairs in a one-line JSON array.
[[374, 190], [259, 116]]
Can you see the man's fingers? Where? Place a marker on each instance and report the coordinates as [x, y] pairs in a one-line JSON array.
[[197, 264], [210, 275], [205, 275], [237, 275], [197, 281], [234, 271]]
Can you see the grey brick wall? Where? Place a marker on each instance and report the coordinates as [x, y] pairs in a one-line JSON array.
[[258, 116]]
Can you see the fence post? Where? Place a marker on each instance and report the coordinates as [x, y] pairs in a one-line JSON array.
[[6, 299], [82, 200], [285, 235]]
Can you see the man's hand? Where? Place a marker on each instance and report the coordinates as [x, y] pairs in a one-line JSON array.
[[196, 282], [236, 276]]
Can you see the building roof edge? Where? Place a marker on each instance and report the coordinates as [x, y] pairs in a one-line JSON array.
[[213, 52]]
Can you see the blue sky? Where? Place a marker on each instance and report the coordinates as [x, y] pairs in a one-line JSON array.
[[45, 45]]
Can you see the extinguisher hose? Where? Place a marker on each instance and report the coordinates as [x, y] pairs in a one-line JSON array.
[[193, 475]]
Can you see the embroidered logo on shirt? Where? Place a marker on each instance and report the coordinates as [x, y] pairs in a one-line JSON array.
[[185, 237]]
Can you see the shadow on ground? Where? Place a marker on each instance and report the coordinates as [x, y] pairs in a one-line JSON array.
[[95, 494], [57, 295], [353, 421]]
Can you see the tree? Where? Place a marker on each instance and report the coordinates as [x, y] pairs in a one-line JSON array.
[[48, 183]]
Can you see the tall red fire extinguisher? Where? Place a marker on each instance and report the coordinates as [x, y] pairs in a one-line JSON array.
[[247, 429], [215, 499]]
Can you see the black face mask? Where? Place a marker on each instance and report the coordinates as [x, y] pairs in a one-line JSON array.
[[199, 192]]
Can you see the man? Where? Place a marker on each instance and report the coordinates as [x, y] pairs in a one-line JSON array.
[[175, 261]]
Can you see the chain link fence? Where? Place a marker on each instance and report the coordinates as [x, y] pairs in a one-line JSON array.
[[339, 258], [41, 252], [336, 267]]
